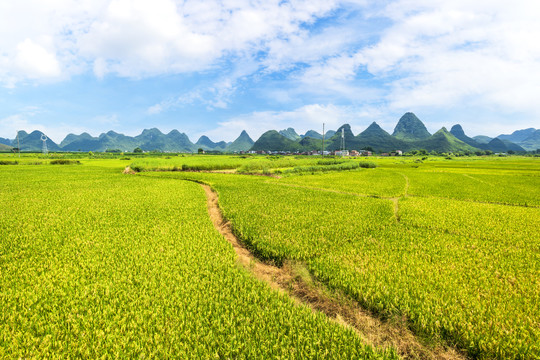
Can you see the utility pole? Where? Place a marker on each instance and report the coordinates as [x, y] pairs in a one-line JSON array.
[[342, 141], [18, 144], [322, 152]]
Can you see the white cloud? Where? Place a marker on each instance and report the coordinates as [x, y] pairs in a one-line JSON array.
[[446, 54], [407, 54], [35, 61], [136, 38]]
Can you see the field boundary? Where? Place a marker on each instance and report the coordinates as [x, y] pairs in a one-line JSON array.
[[295, 280]]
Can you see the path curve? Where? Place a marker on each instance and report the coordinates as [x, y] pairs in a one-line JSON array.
[[294, 280]]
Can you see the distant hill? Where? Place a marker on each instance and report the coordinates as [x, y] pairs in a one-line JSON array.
[[444, 141], [316, 135], [290, 134], [329, 134], [518, 135], [4, 147], [409, 134], [334, 142], [491, 145], [83, 142], [242, 143], [409, 127], [532, 142], [528, 139], [274, 141], [5, 141], [312, 134], [482, 139], [33, 142], [310, 144], [379, 140], [205, 143], [458, 132]]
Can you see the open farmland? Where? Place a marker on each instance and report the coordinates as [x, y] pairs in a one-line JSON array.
[[453, 246], [96, 262]]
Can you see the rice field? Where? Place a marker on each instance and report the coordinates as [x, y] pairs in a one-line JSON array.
[[96, 262]]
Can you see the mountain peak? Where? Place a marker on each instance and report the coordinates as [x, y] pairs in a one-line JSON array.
[[205, 141], [374, 126], [410, 127], [242, 143], [457, 131], [290, 134]]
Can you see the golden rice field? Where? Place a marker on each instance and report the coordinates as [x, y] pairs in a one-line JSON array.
[[95, 263]]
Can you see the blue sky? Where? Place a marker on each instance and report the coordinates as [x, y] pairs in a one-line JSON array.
[[219, 67]]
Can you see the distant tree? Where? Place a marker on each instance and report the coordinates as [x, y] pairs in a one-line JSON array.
[[200, 150], [368, 148], [511, 152], [422, 152], [489, 152], [137, 150]]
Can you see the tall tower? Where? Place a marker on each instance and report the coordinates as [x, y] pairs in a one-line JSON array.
[[44, 149]]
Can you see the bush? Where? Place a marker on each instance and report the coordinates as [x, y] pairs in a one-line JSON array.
[[65, 162]]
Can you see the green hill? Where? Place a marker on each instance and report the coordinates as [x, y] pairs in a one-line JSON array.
[[83, 142], [33, 142], [482, 139], [290, 134], [311, 144], [205, 143], [443, 141], [4, 147], [532, 142], [242, 143], [458, 132], [334, 142], [379, 140], [518, 136], [274, 141], [312, 134], [5, 141], [114, 140], [409, 127]]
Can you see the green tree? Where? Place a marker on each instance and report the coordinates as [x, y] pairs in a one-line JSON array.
[[137, 150]]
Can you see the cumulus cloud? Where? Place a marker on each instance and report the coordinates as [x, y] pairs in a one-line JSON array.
[[136, 38], [394, 56], [35, 61], [445, 54]]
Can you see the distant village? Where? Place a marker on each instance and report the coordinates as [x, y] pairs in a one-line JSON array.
[[329, 153]]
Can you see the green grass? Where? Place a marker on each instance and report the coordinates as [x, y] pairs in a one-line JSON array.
[[460, 259], [99, 264], [94, 262]]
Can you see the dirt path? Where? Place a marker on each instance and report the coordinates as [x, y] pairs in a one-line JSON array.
[[295, 280]]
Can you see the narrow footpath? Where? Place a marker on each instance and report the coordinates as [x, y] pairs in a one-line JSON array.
[[294, 280]]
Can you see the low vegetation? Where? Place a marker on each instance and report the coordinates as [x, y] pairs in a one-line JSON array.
[[96, 263]]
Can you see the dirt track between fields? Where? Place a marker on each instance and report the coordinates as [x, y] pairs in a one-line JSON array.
[[294, 280]]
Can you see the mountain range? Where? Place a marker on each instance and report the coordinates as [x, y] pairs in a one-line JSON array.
[[409, 134]]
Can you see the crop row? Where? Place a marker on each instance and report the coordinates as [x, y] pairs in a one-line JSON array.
[[98, 264], [462, 272]]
